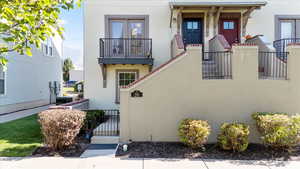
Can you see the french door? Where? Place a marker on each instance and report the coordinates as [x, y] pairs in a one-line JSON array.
[[289, 29], [126, 37]]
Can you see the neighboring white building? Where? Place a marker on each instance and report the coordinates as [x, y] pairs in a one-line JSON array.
[[76, 75], [125, 39], [30, 81]]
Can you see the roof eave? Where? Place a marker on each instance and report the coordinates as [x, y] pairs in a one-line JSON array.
[[208, 4]]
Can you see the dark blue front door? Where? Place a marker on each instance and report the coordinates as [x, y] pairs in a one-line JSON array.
[[192, 31]]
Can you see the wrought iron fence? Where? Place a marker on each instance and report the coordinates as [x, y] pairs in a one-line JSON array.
[[217, 65], [281, 44], [110, 125], [126, 47], [272, 65]]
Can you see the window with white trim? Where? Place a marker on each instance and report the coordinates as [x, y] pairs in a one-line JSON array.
[[124, 78], [2, 81]]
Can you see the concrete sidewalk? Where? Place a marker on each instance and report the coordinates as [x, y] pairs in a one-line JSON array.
[[21, 114], [109, 162]]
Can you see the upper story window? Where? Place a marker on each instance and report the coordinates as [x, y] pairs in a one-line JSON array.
[[2, 81], [48, 47]]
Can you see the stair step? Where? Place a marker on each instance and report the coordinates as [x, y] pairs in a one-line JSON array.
[[105, 140]]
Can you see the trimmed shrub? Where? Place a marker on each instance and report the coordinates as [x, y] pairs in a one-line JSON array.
[[234, 136], [194, 133], [278, 130], [60, 127]]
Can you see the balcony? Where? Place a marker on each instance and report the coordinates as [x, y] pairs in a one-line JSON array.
[[125, 51], [281, 44]]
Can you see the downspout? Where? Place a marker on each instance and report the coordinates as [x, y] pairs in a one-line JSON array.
[[171, 17]]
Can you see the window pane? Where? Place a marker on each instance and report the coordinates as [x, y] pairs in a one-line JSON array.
[[286, 30], [1, 73], [117, 29], [195, 25], [127, 82], [132, 76], [136, 29], [50, 51], [228, 25], [2, 86], [225, 25], [190, 25], [2, 81], [231, 25], [122, 82], [121, 76]]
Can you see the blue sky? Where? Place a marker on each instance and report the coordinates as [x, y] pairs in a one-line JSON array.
[[73, 42]]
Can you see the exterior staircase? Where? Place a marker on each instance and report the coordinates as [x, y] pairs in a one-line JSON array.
[[108, 131], [209, 69]]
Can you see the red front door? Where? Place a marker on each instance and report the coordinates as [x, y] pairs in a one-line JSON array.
[[229, 28]]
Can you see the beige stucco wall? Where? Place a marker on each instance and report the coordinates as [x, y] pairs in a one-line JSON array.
[[104, 98], [263, 21], [260, 22], [94, 28], [177, 91]]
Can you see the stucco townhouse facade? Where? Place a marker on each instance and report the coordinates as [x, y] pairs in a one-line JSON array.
[[32, 81], [126, 39]]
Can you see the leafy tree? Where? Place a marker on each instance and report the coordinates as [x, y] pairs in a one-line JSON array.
[[24, 23], [68, 65]]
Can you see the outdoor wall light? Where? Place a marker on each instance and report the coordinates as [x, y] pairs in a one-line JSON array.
[[125, 147]]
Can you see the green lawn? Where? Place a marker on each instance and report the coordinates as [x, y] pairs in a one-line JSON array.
[[20, 137]]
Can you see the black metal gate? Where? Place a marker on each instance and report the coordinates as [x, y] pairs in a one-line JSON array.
[[110, 125]]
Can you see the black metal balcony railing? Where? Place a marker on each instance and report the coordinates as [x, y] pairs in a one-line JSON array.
[[273, 65], [281, 44], [125, 48]]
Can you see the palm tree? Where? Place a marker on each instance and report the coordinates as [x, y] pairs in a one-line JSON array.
[[67, 66]]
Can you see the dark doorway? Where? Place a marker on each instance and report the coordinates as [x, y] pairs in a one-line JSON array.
[[192, 30], [229, 28]]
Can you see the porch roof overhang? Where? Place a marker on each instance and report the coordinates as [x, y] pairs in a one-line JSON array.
[[215, 7], [217, 3]]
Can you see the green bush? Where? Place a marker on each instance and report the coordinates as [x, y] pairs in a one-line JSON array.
[[76, 86], [93, 119], [60, 127], [278, 130], [234, 136], [194, 133]]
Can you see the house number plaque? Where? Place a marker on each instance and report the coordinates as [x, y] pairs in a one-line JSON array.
[[137, 93]]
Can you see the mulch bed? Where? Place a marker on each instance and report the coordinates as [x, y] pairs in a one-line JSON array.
[[210, 151], [81, 144]]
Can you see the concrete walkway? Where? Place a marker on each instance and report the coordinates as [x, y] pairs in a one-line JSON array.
[[109, 162], [21, 114]]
